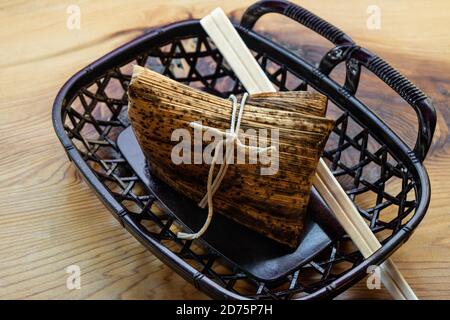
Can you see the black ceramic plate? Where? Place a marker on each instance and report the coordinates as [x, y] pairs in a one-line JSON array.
[[257, 255]]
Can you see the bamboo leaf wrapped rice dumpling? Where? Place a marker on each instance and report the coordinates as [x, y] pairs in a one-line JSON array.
[[273, 205]]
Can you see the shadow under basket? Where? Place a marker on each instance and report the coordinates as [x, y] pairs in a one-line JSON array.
[[382, 175]]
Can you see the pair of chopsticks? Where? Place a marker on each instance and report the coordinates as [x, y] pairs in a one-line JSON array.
[[227, 40]]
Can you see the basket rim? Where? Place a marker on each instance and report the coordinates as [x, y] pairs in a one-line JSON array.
[[190, 28]]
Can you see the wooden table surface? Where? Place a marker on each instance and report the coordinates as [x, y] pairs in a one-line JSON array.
[[50, 219]]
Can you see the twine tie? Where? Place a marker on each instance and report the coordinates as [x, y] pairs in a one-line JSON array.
[[231, 138]]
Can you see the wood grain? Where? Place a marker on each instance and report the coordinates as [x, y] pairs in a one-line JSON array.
[[49, 219]]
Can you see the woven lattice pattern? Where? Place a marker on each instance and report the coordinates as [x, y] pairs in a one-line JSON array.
[[380, 186]]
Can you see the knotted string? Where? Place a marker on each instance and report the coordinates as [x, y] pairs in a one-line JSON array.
[[231, 138]]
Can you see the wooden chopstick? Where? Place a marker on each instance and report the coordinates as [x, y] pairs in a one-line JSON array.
[[221, 31], [355, 226], [208, 23], [245, 56]]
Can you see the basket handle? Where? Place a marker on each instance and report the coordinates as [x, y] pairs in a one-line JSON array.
[[297, 13], [422, 105]]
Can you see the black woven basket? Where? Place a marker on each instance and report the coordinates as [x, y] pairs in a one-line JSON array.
[[90, 113]]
